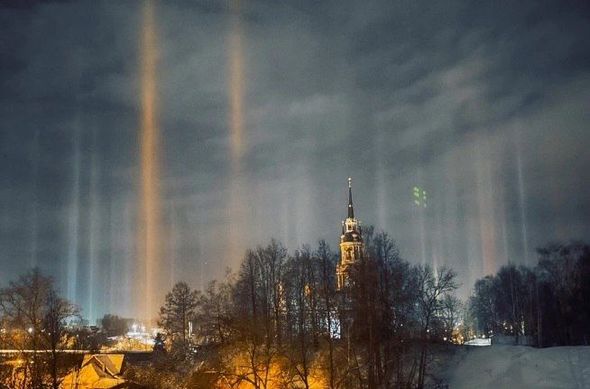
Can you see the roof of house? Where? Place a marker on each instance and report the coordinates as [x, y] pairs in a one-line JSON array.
[[101, 371]]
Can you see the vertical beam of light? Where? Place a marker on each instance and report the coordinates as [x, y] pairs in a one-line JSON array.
[[236, 87], [94, 230], [486, 206], [422, 236], [128, 276], [173, 243], [501, 217], [114, 252], [521, 200], [504, 229], [196, 236], [302, 216], [235, 90], [35, 208], [285, 218], [436, 228], [73, 222], [380, 180], [521, 206], [149, 234], [420, 220]]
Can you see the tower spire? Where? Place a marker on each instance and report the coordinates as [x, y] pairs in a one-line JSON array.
[[350, 208], [351, 243]]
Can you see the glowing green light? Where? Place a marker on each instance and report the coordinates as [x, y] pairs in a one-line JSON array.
[[420, 196]]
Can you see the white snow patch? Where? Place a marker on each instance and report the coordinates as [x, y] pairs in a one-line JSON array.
[[500, 366]]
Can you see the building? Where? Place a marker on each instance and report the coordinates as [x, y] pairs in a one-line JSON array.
[[351, 244], [103, 371]]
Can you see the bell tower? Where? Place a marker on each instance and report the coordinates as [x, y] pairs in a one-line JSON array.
[[351, 243]]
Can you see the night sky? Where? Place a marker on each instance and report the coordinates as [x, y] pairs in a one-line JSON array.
[[484, 105]]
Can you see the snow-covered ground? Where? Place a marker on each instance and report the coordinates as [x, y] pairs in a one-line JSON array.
[[500, 366]]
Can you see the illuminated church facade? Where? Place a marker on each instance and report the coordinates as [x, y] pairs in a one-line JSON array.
[[351, 244]]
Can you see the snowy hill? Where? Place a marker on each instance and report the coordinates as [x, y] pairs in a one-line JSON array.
[[519, 367]]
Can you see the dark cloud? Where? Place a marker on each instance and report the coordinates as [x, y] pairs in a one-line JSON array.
[[483, 104]]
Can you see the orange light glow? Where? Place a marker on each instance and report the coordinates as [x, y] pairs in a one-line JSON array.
[[236, 122], [486, 207], [148, 242]]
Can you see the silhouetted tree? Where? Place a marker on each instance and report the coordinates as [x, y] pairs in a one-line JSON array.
[[36, 316], [327, 296], [450, 314], [431, 291], [177, 313], [549, 302], [301, 285], [277, 322], [483, 305], [563, 272], [57, 312], [23, 308], [213, 316]]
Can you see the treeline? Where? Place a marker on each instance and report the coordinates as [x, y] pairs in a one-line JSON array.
[[33, 320], [281, 322], [550, 303]]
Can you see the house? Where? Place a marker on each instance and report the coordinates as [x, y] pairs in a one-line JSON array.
[[98, 371]]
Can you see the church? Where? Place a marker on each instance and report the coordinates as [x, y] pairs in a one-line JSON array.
[[351, 244]]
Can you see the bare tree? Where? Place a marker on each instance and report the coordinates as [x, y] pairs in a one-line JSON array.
[[327, 295], [23, 304], [213, 316], [431, 290], [57, 312], [300, 292], [35, 315], [450, 314]]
